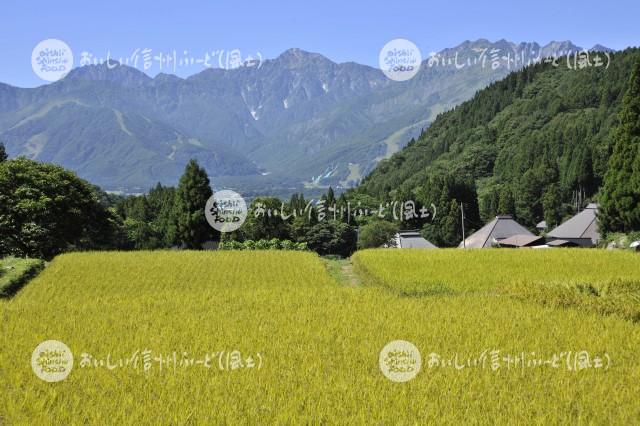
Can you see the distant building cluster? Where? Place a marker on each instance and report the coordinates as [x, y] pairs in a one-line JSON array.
[[580, 230]]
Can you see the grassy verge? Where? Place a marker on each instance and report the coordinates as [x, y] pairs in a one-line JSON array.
[[342, 271], [15, 273]]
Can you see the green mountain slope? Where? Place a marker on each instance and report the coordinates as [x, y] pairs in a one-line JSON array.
[[530, 144]]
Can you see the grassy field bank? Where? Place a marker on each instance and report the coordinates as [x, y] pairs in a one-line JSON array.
[[15, 272]]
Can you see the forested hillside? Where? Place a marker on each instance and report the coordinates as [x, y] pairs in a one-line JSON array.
[[528, 145]]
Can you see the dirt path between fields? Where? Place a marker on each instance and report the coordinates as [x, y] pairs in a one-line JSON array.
[[342, 271]]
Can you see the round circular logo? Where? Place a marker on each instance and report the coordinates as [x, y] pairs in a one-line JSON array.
[[52, 361], [226, 211], [400, 60], [52, 59], [400, 361]]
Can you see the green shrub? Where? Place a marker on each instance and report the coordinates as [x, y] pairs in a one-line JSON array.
[[273, 244], [376, 234]]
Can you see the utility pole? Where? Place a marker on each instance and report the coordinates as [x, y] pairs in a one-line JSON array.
[[464, 241]]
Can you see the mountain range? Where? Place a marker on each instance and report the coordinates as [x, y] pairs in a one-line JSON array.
[[296, 122]]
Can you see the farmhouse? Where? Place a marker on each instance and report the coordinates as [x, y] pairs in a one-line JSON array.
[[500, 228], [581, 229], [412, 239]]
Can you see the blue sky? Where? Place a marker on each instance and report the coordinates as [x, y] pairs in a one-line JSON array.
[[341, 30]]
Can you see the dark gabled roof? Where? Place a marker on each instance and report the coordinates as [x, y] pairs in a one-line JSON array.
[[522, 241], [503, 226], [412, 239], [583, 225]]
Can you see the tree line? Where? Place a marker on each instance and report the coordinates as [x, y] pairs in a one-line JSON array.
[[46, 210]]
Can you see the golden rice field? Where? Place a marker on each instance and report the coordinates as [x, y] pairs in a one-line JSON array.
[[318, 341]]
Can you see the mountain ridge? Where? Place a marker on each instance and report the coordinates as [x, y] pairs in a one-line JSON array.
[[298, 120]]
